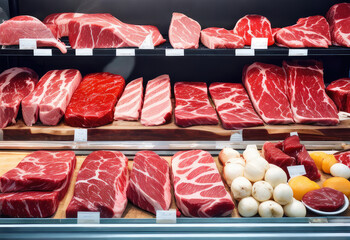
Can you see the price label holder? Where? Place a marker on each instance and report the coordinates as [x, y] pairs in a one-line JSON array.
[[259, 43], [174, 52], [80, 135], [42, 52], [128, 52], [83, 52], [297, 52], [88, 218], [297, 170], [236, 136], [166, 217], [27, 43], [245, 52], [293, 134]]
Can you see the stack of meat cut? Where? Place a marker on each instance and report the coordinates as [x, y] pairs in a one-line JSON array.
[[338, 17]]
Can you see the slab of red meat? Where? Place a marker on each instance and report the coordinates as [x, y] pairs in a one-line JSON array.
[[338, 17], [28, 27], [307, 95], [254, 26], [214, 37], [50, 97], [324, 199], [308, 32], [60, 22], [157, 108], [93, 102], [184, 32], [192, 105], [39, 171], [149, 185], [130, 104], [198, 188], [233, 106], [339, 92], [15, 84], [292, 146], [106, 31], [266, 85], [101, 185], [344, 158]]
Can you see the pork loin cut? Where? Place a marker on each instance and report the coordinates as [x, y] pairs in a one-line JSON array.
[[101, 185], [192, 105], [338, 17], [254, 26], [308, 98], [157, 108], [93, 102], [184, 32], [106, 31], [233, 106], [15, 84], [28, 27], [149, 186], [220, 38], [198, 188], [130, 104], [50, 97], [60, 22], [266, 85], [339, 92], [308, 32]]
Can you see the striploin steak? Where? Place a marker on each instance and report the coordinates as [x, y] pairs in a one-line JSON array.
[[338, 17], [339, 92], [220, 38]]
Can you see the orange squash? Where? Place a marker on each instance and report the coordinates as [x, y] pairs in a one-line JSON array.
[[302, 185], [338, 183]]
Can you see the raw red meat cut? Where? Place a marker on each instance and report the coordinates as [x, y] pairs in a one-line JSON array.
[[254, 26], [93, 102], [344, 158], [220, 38], [149, 185], [198, 188], [308, 32], [274, 31], [192, 105], [106, 31], [28, 27], [266, 85], [130, 104], [338, 17], [60, 21], [15, 84], [101, 185], [339, 92], [307, 95], [324, 199], [50, 97], [39, 171], [157, 108], [184, 32], [233, 106]]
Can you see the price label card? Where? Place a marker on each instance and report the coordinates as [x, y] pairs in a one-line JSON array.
[[27, 43], [222, 144], [166, 216], [83, 52], [88, 218], [259, 43], [147, 43], [125, 52], [236, 136], [293, 134], [297, 52], [297, 170], [245, 52], [174, 52], [42, 52], [80, 135]]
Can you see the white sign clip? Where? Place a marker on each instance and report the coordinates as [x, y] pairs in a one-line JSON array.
[[88, 218], [166, 217]]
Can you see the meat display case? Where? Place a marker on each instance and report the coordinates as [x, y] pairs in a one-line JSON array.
[[193, 64]]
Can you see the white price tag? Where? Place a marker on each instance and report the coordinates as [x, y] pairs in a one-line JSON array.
[[297, 170], [236, 136], [147, 43], [125, 52], [166, 216], [42, 52], [297, 52], [88, 218], [83, 52], [174, 52], [80, 135], [27, 43], [245, 52], [293, 134], [221, 145], [259, 43]]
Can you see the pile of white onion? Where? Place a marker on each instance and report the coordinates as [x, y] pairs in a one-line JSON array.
[[259, 187]]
